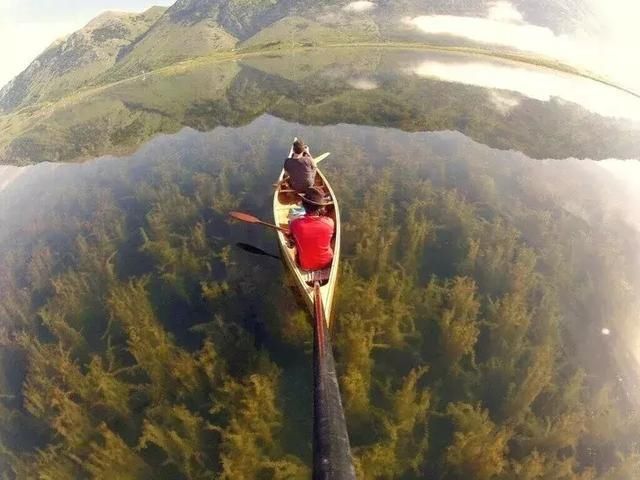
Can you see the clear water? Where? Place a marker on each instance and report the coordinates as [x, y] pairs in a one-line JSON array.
[[486, 318]]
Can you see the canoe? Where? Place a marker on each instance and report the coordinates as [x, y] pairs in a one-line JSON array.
[[283, 201]]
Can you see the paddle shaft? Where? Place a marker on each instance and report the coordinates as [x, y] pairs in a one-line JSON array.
[[271, 225], [247, 218], [331, 451]]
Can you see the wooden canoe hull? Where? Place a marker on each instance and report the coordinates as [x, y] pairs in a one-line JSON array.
[[282, 202]]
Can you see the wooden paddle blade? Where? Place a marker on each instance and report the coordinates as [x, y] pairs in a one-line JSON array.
[[321, 157], [244, 217]]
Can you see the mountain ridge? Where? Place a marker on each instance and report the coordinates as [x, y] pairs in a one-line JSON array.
[[74, 61], [116, 45]]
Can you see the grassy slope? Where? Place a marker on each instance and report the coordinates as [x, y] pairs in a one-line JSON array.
[[71, 63], [325, 89], [168, 42], [296, 31], [296, 66], [115, 119], [196, 28]]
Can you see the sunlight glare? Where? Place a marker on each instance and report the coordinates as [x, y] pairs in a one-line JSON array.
[[537, 83], [607, 45]]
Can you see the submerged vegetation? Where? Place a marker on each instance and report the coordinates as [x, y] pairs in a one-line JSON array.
[[138, 343]]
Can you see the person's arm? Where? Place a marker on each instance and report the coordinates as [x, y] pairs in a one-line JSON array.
[[290, 240], [307, 154], [285, 177], [284, 180]]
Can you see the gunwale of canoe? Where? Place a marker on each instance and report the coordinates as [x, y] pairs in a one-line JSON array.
[[282, 202]]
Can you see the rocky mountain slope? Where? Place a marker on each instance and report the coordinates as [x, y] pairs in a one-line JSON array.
[[119, 45], [351, 86], [72, 62], [115, 46]]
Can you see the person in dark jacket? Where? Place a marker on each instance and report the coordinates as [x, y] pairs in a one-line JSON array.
[[300, 168]]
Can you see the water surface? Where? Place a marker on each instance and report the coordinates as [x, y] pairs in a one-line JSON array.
[[485, 318]]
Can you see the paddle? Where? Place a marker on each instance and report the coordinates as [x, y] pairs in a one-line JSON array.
[[245, 217], [255, 250], [321, 157]]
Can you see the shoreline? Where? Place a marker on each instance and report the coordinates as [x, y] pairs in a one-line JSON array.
[[238, 54]]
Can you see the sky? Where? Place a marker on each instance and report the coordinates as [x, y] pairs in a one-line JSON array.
[[27, 27]]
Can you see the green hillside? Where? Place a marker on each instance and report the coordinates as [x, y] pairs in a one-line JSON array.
[[296, 31], [115, 121], [194, 28], [72, 62], [313, 87], [114, 47], [168, 42]]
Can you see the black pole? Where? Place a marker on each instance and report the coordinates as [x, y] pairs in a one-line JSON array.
[[331, 451]]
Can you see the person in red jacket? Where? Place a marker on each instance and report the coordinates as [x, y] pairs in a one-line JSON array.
[[312, 233]]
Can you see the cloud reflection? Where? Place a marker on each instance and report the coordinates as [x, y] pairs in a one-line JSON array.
[[363, 84], [504, 101], [359, 6], [537, 83], [625, 181], [606, 44], [8, 174], [492, 31], [504, 11]]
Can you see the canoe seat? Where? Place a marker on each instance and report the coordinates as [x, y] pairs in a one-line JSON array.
[[322, 276]]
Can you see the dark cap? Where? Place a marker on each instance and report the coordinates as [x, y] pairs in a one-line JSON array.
[[314, 196]]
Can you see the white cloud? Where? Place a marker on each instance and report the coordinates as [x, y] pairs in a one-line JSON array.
[[504, 11], [495, 32], [537, 83], [359, 6], [614, 49], [504, 101]]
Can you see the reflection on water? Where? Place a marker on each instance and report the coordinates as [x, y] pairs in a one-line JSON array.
[[502, 26], [598, 36], [504, 105], [537, 83], [488, 301], [363, 84]]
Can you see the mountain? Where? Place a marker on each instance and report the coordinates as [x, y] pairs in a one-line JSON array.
[[193, 28], [186, 30], [72, 62], [116, 46], [321, 86]]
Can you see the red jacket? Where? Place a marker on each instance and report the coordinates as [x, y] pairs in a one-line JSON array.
[[312, 235]]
